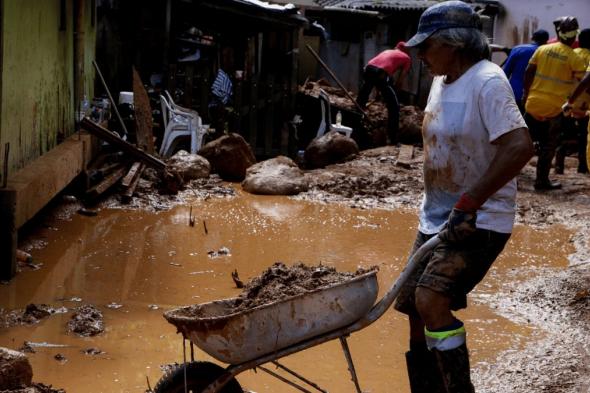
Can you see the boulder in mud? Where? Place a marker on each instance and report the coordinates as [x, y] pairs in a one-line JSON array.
[[15, 370], [230, 156], [277, 176], [189, 166], [330, 148], [86, 321]]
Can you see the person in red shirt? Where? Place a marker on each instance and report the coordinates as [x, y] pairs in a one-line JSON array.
[[380, 72]]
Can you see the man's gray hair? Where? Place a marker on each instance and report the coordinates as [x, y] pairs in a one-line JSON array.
[[470, 42]]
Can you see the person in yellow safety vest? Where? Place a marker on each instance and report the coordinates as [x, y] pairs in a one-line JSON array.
[[575, 133], [549, 79], [583, 88]]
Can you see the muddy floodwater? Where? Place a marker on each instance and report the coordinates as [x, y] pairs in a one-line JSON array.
[[133, 265]]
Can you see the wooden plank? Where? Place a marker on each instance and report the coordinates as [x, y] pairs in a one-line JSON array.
[[128, 193], [143, 115], [8, 233], [128, 148], [107, 183], [405, 156], [131, 174]]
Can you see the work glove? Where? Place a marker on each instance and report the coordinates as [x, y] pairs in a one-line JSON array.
[[459, 227], [461, 222]]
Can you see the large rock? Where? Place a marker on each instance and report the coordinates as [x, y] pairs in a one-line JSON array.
[[329, 149], [277, 176], [15, 370], [229, 156], [189, 166]]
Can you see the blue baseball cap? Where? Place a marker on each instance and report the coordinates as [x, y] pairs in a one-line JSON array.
[[445, 15]]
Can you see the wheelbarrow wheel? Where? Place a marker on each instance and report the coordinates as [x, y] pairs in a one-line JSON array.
[[198, 376]]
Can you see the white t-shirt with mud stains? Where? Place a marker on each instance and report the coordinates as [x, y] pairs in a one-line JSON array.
[[461, 121]]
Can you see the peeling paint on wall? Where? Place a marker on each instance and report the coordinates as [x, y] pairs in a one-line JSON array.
[[37, 109]]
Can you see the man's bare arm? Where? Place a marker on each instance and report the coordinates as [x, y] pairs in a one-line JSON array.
[[514, 150]]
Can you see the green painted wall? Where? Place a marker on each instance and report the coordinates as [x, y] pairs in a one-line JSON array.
[[37, 107]]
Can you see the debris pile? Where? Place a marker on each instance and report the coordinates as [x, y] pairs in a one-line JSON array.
[[375, 123], [32, 314], [86, 321]]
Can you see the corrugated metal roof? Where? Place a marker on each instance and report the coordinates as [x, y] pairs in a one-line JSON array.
[[379, 4]]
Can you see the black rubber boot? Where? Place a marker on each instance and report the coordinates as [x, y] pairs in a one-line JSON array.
[[423, 372], [542, 181], [454, 367], [560, 154]]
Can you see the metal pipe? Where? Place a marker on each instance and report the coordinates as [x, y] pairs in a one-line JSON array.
[[296, 375], [285, 380], [350, 363], [113, 103]]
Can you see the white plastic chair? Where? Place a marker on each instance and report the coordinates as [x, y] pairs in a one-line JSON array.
[[179, 123], [326, 119], [174, 105]]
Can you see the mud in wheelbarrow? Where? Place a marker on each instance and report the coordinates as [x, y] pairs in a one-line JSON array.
[[236, 338]]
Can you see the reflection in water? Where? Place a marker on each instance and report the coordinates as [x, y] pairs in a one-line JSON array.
[[150, 262]]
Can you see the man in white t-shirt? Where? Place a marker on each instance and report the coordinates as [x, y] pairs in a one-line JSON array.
[[475, 143]]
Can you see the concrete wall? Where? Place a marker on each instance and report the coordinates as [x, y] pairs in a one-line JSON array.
[[37, 80], [522, 17]]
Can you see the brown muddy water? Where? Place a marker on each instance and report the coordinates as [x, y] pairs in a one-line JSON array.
[[133, 265]]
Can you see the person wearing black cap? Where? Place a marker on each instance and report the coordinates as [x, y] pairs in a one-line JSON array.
[[548, 81], [517, 61], [475, 143]]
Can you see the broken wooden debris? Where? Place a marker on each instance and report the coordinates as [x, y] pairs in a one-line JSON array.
[[205, 227], [131, 174], [405, 156], [143, 115], [127, 194], [107, 183], [114, 139]]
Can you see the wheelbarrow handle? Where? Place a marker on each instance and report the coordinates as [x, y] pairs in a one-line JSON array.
[[383, 305]]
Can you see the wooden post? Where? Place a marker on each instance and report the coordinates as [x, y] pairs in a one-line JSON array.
[[8, 233]]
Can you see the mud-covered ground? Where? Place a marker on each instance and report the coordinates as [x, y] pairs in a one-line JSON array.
[[556, 300]]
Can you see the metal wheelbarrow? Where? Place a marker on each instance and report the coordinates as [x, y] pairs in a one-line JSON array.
[[249, 339]]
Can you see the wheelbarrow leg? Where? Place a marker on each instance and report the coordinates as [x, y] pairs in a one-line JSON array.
[[350, 363]]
